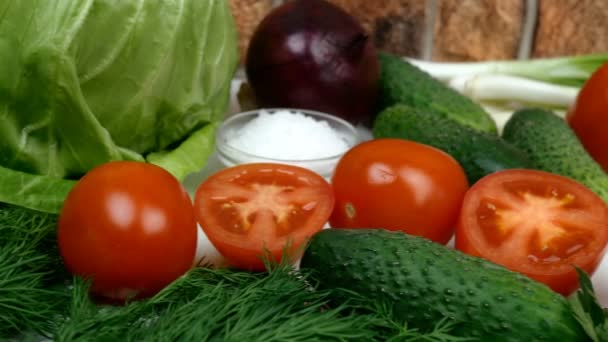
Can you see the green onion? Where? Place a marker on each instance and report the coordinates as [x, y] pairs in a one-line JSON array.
[[570, 71], [552, 83], [505, 88]]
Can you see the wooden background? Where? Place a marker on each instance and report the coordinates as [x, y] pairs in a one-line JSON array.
[[461, 30]]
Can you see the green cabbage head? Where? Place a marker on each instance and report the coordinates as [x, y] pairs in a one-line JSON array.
[[84, 82]]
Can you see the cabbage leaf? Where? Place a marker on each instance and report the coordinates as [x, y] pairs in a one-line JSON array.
[[85, 82]]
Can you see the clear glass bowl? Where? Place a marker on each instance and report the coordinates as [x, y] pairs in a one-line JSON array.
[[231, 156]]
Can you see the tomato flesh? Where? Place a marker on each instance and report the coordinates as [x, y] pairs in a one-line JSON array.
[[252, 208], [536, 223]]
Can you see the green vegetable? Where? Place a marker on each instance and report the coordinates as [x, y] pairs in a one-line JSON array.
[[507, 90], [588, 311], [218, 305], [193, 153], [40, 301], [569, 70], [90, 81], [551, 83], [33, 191], [403, 83], [478, 153], [225, 305], [554, 147], [424, 282], [32, 294]]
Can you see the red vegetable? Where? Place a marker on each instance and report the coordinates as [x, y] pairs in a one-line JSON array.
[[310, 54], [250, 208], [398, 185], [130, 227], [589, 116], [536, 223]]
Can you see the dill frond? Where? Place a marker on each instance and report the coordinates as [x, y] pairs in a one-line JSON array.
[[219, 305], [31, 295], [38, 298]]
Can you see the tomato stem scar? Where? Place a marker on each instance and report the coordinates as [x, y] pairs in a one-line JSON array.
[[351, 212]]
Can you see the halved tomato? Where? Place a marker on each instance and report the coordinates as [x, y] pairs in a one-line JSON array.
[[536, 223], [251, 209]]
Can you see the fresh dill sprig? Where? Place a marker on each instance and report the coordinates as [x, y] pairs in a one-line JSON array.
[[31, 294], [226, 305], [39, 299], [219, 305]]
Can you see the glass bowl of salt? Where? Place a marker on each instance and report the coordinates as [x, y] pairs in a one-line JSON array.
[[299, 137]]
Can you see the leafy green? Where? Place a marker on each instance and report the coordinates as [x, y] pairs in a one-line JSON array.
[[218, 305], [39, 300], [189, 155], [44, 193], [226, 305], [32, 294], [588, 311], [89, 81]]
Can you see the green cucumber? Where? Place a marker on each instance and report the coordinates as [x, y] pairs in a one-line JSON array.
[[478, 153], [554, 147], [424, 282], [403, 83]]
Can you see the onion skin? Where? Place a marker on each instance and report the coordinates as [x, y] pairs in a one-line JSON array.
[[310, 54]]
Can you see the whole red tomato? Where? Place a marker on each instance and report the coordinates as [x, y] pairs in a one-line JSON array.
[[128, 226], [399, 185], [536, 223], [589, 116]]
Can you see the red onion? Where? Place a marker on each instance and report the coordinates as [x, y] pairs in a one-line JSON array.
[[310, 54]]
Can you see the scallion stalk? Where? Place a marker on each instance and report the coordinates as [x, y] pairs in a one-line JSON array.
[[570, 71], [505, 88]]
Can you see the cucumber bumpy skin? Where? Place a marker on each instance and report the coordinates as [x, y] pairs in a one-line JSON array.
[[554, 147], [478, 153], [403, 83], [424, 282]]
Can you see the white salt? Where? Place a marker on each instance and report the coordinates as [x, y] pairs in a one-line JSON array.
[[288, 135]]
